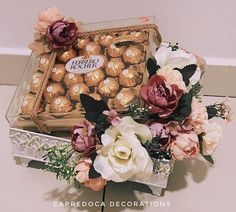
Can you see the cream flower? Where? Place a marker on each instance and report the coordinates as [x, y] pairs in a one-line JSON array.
[[176, 59], [122, 156], [198, 117], [172, 76], [211, 138], [46, 18]]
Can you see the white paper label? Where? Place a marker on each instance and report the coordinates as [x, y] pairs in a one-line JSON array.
[[83, 65]]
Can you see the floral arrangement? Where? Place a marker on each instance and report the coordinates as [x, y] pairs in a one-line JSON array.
[[170, 123], [53, 32]]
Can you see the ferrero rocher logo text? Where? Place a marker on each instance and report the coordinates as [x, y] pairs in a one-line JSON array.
[[82, 65]]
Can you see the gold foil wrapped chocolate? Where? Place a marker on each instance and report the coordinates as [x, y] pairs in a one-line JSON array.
[[139, 37], [44, 62], [129, 77], [105, 40], [60, 104], [52, 91], [93, 78], [65, 56], [114, 67], [105, 61], [92, 48], [76, 90], [36, 82], [125, 97], [58, 72], [116, 51], [71, 79], [28, 105], [81, 43], [133, 55], [108, 87]]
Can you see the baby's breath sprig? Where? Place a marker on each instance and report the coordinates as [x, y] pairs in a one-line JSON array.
[[58, 161], [220, 110], [138, 112]]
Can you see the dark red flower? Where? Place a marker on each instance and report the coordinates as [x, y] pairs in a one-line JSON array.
[[161, 98], [61, 33]]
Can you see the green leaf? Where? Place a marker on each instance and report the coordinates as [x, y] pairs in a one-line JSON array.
[[92, 107], [184, 108], [208, 158], [187, 72], [152, 67]]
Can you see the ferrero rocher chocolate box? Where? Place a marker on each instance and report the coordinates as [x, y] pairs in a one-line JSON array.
[[107, 62]]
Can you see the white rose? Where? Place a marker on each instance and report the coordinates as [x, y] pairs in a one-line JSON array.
[[172, 76], [212, 137], [176, 59], [122, 155]]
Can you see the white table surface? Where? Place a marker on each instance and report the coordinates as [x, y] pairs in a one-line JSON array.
[[194, 186]]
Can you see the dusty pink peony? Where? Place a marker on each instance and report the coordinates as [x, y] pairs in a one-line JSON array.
[[185, 146], [198, 117], [83, 170], [46, 18], [82, 175], [61, 33], [83, 137], [112, 117], [161, 97], [96, 184]]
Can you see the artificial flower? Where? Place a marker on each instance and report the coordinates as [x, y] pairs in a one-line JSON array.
[[161, 98], [112, 116], [198, 116], [177, 58], [160, 131], [83, 137], [96, 184], [227, 111], [61, 33], [185, 146], [122, 156], [211, 137], [82, 168], [172, 77], [82, 175], [46, 18]]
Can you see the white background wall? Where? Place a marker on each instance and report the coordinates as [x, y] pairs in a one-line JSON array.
[[207, 27]]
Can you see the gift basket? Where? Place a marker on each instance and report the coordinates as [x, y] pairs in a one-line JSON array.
[[111, 102]]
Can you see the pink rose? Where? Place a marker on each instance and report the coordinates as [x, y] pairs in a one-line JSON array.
[[185, 146], [61, 33], [161, 97], [83, 137], [112, 117]]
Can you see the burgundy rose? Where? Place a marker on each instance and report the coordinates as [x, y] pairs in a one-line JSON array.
[[83, 137], [61, 33], [161, 98]]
